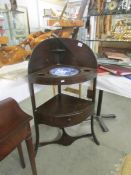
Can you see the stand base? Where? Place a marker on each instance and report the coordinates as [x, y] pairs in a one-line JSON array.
[[99, 117], [66, 139], [101, 122]]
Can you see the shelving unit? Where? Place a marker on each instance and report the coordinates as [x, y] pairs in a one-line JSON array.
[[110, 29]]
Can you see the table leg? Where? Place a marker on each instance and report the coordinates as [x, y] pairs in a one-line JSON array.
[[100, 117]]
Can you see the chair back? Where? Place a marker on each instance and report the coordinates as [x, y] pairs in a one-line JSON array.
[[11, 117]]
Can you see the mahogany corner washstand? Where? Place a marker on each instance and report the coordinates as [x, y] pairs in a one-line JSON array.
[[62, 61]]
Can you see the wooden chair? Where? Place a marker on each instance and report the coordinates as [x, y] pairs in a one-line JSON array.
[[14, 128], [62, 110]]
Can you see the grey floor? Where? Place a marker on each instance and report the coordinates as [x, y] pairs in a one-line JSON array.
[[83, 157]]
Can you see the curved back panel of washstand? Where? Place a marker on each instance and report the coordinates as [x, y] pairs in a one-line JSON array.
[[62, 51], [62, 110]]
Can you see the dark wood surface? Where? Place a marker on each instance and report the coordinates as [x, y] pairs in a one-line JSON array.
[[13, 118], [14, 128], [62, 110]]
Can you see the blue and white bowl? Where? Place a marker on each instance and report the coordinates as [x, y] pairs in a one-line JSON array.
[[64, 71]]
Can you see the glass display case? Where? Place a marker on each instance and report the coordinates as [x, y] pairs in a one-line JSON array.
[[15, 24]]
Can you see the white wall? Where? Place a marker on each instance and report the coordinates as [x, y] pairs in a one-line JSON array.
[[32, 7], [4, 1]]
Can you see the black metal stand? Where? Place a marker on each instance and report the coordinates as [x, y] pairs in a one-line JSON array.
[[100, 117]]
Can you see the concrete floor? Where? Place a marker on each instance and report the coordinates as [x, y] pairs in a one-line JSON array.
[[83, 157]]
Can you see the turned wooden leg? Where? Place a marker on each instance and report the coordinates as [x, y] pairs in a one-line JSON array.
[[37, 136], [19, 148], [31, 153]]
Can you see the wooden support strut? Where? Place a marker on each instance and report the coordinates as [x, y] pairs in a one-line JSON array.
[[79, 16]]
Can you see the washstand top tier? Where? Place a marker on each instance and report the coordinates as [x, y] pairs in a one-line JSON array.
[[61, 61]]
